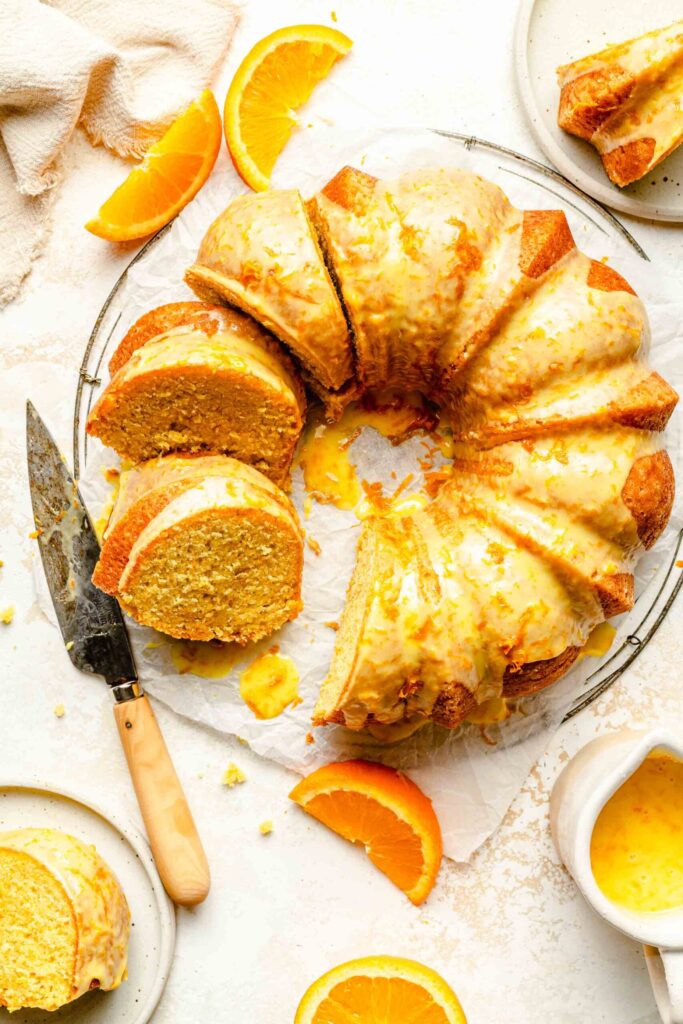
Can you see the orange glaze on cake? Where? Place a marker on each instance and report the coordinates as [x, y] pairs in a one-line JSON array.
[[627, 101]]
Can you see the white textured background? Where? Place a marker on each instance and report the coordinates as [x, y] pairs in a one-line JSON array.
[[508, 931]]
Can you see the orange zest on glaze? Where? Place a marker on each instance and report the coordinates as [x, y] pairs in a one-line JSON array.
[[330, 474]]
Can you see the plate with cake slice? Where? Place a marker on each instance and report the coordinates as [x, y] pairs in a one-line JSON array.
[[602, 85], [86, 928]]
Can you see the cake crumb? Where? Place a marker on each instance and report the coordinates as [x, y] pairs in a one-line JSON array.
[[265, 828], [679, 563], [69, 644], [333, 15], [233, 776], [1, 563], [313, 545], [59, 711], [7, 614], [310, 738], [332, 624], [241, 740], [34, 533]]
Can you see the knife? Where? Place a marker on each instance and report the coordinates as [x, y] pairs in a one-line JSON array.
[[97, 641]]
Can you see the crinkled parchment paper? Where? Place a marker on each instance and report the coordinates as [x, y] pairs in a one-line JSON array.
[[471, 779]]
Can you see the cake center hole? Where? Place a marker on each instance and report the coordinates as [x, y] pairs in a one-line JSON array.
[[387, 455]]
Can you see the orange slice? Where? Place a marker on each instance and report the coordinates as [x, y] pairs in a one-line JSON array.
[[170, 175], [273, 81], [382, 810], [380, 990]]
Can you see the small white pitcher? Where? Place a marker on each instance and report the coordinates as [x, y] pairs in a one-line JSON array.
[[581, 791]]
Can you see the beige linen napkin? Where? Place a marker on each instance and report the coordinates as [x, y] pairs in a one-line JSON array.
[[122, 68]]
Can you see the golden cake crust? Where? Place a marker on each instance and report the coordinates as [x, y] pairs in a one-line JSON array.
[[588, 101], [546, 238], [649, 495], [200, 316]]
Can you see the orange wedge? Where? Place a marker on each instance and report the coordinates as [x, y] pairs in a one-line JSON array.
[[380, 990], [382, 810], [170, 175], [273, 81]]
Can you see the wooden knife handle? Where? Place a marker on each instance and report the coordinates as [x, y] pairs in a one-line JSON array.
[[172, 833]]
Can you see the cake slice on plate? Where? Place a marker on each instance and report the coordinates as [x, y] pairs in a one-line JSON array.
[[64, 920], [627, 100]]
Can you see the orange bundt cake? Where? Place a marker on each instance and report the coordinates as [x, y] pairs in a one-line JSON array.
[[193, 377], [538, 357], [203, 547], [262, 256], [627, 100], [64, 920]]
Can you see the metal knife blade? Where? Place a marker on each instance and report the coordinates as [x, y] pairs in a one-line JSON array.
[[91, 621]]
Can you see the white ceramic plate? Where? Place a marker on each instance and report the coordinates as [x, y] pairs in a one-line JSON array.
[[554, 32], [125, 850]]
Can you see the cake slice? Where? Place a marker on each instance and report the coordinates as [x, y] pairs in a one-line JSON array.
[[571, 354], [405, 253], [627, 101], [617, 480], [203, 548], [64, 920], [262, 256], [208, 380]]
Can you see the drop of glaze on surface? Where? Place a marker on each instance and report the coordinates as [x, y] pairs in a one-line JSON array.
[[269, 685], [210, 660], [600, 639]]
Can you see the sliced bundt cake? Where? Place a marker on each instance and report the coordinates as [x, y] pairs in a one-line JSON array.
[[537, 355], [194, 377], [203, 547], [64, 920], [627, 100]]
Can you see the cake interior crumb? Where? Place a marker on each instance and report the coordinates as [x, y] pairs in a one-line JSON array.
[[233, 775]]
